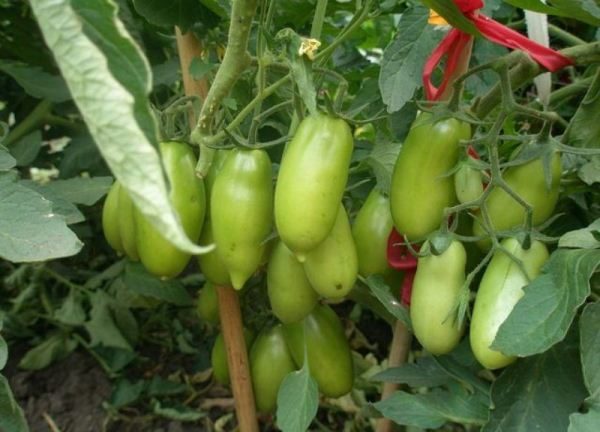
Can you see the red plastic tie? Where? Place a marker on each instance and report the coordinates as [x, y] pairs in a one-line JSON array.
[[455, 42]]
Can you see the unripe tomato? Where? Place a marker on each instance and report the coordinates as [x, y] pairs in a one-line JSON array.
[[270, 362], [158, 254], [436, 289], [421, 187], [218, 357], [500, 289], [242, 212], [208, 303], [211, 176], [468, 183], [311, 182], [327, 350], [110, 218], [371, 229], [127, 225], [290, 293], [332, 266], [528, 181], [211, 264]]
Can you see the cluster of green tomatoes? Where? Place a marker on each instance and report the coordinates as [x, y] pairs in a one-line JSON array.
[[317, 254]]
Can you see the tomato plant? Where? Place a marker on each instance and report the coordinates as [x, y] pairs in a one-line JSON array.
[[286, 155]]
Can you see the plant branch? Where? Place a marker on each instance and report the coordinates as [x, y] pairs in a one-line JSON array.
[[526, 69], [33, 120], [235, 61]]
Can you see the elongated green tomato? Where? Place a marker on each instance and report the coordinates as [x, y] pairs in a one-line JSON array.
[[290, 293], [211, 264], [311, 182], [421, 185], [127, 225], [327, 350], [467, 184], [208, 303], [528, 181], [436, 289], [270, 362], [218, 357], [209, 180], [159, 255], [332, 267], [500, 289], [110, 218], [371, 230], [242, 212]]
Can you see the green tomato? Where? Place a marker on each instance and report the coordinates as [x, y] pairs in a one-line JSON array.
[[208, 303], [158, 254], [467, 183], [127, 225], [218, 357], [371, 230], [421, 185], [500, 289], [435, 292], [332, 267], [211, 176], [311, 182], [290, 293], [110, 218], [270, 362], [327, 350], [529, 182], [211, 264], [242, 212]]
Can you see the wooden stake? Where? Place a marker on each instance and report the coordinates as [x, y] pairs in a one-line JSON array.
[[237, 358], [189, 47], [399, 350], [229, 305]]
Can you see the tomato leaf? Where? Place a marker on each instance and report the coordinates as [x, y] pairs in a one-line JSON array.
[[11, 415], [379, 288], [404, 58], [54, 348], [544, 314], [182, 13], [297, 401], [7, 161], [101, 326], [590, 355], [451, 13], [36, 82], [424, 373], [381, 160], [587, 422], [3, 352], [582, 10], [525, 396], [29, 228], [432, 410], [138, 280], [582, 238], [109, 80]]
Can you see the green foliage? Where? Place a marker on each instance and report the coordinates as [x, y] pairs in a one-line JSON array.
[[82, 82], [297, 401]]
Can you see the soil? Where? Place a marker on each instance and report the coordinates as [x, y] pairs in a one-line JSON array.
[[69, 393]]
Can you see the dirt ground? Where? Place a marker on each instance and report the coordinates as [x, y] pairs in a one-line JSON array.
[[70, 395]]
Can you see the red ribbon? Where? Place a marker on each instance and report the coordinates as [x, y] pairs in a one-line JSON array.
[[400, 258], [455, 42]]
